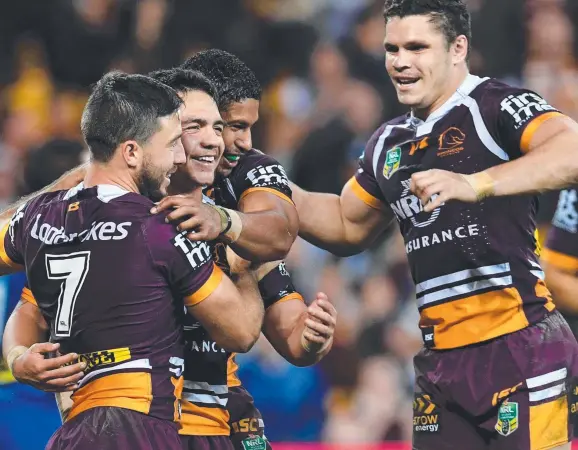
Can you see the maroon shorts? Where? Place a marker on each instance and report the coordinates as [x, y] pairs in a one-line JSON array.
[[517, 391], [246, 422], [115, 429], [206, 443]]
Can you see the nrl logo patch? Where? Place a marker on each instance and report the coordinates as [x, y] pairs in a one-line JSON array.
[[392, 159], [507, 418]]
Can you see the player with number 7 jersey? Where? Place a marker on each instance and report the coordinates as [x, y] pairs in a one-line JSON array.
[[112, 281]]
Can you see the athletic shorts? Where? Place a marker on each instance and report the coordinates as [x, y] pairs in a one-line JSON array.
[[517, 391], [115, 429], [246, 422], [206, 443]]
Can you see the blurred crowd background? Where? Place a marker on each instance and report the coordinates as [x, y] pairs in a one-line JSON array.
[[321, 63]]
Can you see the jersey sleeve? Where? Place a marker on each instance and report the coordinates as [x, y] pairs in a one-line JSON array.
[[261, 172], [188, 265], [364, 184], [27, 295], [12, 240], [561, 247], [277, 286], [513, 115]]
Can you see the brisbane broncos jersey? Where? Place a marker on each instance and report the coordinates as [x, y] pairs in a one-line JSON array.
[[110, 279], [561, 248], [209, 369], [475, 265]]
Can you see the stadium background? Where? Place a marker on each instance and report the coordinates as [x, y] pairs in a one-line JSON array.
[[325, 91]]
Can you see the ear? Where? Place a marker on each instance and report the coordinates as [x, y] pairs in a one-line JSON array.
[[132, 153], [459, 49]]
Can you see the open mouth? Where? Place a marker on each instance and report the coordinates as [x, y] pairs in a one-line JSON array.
[[406, 82], [205, 159]]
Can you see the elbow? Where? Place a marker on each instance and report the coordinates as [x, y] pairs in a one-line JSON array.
[[246, 343], [243, 342], [302, 361]]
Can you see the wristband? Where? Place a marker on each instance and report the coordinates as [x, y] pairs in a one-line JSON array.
[[234, 227], [14, 354], [482, 184]]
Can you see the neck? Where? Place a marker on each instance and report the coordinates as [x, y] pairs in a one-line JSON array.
[[453, 85], [106, 173]]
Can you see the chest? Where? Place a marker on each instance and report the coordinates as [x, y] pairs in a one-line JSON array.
[[451, 144]]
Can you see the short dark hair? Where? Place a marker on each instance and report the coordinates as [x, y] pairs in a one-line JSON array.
[[450, 16], [234, 80], [124, 107], [182, 80], [49, 161]]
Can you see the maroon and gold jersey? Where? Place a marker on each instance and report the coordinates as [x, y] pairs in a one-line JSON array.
[[110, 279], [210, 370], [475, 266], [561, 247]]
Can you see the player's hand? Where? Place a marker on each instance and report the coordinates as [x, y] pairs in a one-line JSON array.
[[50, 375], [191, 214], [435, 187], [71, 178], [319, 324]]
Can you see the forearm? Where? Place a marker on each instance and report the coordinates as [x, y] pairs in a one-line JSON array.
[[25, 327], [252, 311], [296, 353], [564, 288], [265, 236], [550, 166], [321, 222]]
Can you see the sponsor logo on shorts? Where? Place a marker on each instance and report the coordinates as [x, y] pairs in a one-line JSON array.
[[574, 400], [425, 415], [523, 107], [254, 442], [451, 142], [507, 418], [248, 425], [504, 394]]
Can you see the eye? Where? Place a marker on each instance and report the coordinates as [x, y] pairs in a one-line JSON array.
[[218, 130], [192, 127]]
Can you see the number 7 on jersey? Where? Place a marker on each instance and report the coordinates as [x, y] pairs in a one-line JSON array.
[[72, 269]]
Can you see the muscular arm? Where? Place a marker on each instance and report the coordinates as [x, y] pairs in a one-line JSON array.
[[270, 227], [25, 327], [551, 162], [563, 286], [343, 225], [233, 313]]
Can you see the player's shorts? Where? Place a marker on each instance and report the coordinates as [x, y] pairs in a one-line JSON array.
[[517, 391], [206, 443], [115, 428], [246, 422]]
